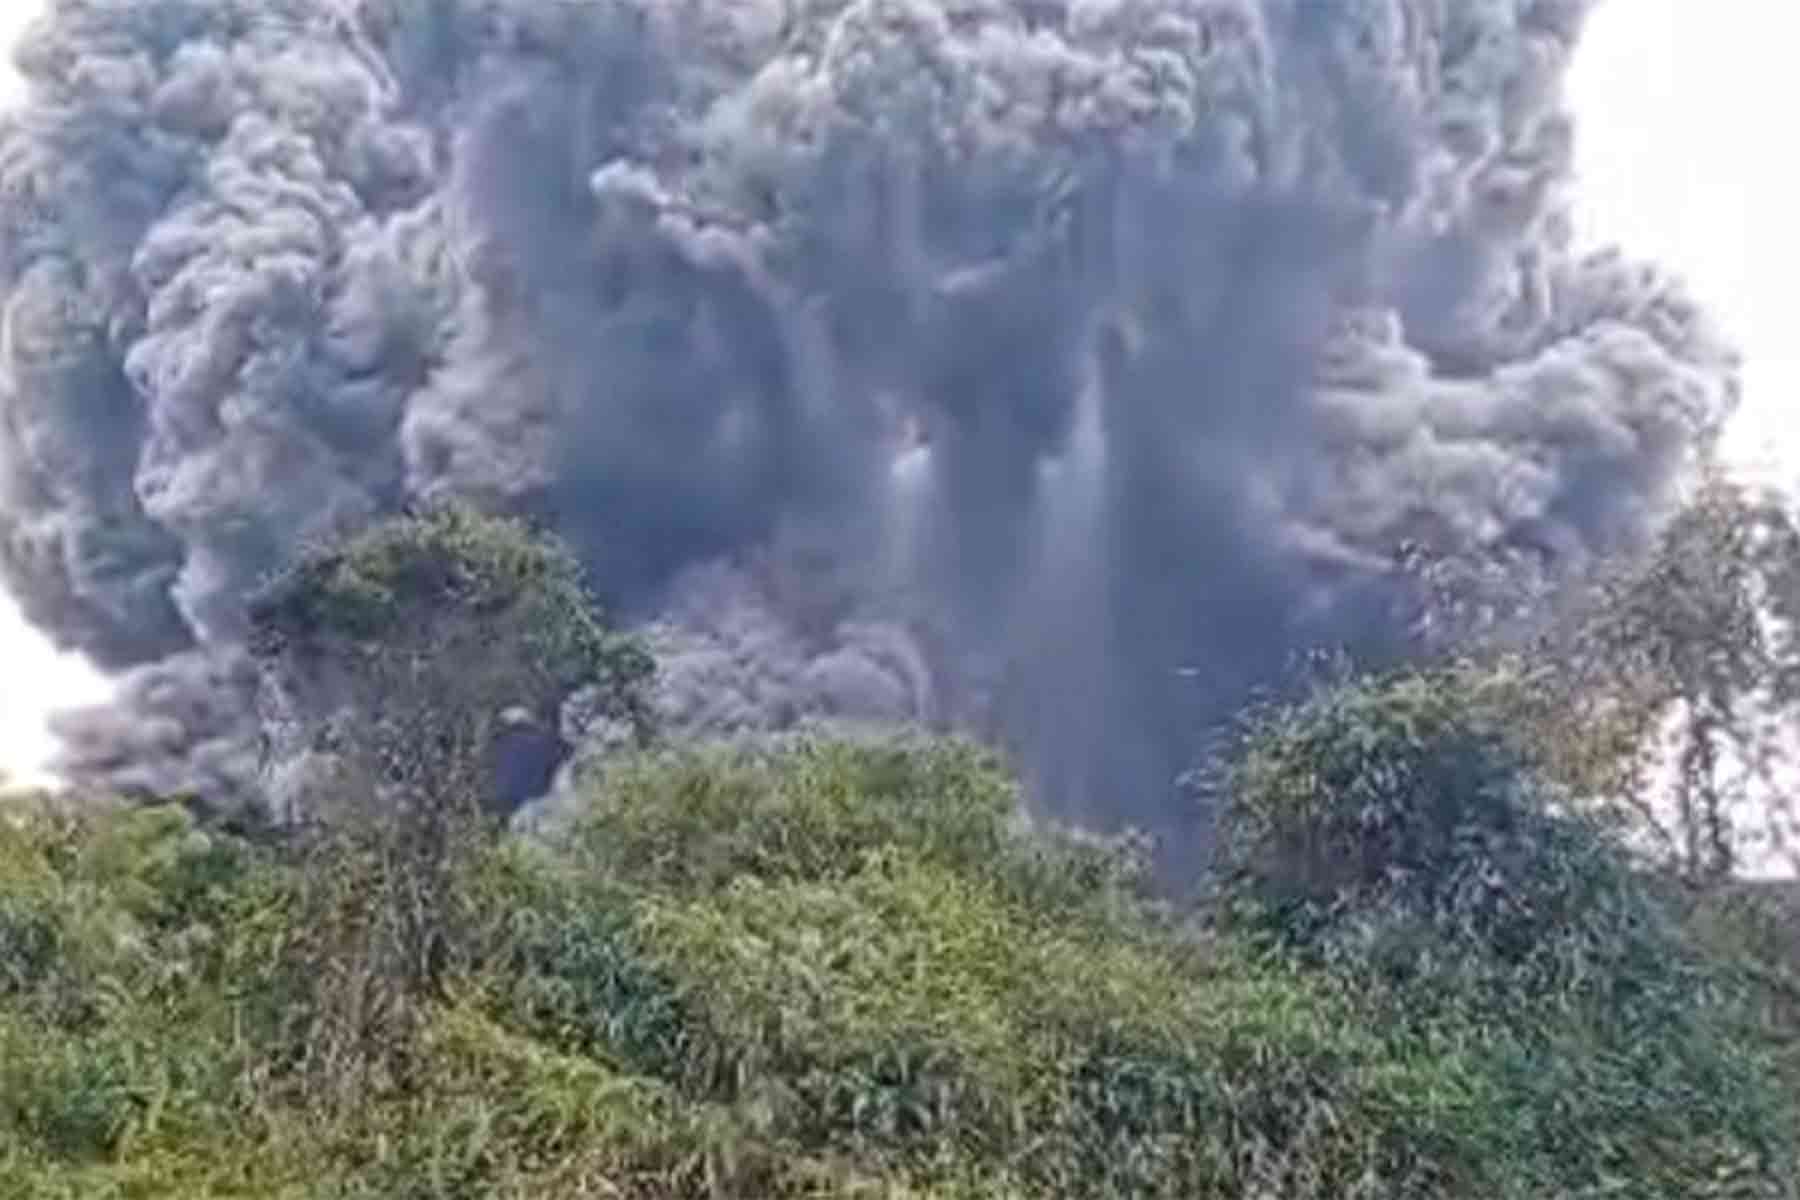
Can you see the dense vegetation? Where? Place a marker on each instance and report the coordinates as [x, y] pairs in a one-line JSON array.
[[1426, 969]]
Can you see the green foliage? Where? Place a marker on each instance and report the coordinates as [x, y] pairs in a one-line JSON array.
[[693, 821], [1703, 637], [1391, 834], [1753, 930], [1408, 794], [115, 1024], [402, 574], [825, 970], [1664, 691], [424, 629], [389, 659]]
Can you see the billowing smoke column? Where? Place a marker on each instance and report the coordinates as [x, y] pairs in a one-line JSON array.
[[1049, 369]]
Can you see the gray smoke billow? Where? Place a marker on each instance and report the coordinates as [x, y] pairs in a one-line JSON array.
[[1052, 369]]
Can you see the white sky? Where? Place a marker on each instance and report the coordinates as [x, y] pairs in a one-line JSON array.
[[34, 679], [1686, 159]]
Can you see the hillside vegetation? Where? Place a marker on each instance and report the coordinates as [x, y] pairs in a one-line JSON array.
[[845, 971], [823, 968]]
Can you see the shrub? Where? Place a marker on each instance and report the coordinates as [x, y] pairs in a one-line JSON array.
[[1407, 794], [1391, 833]]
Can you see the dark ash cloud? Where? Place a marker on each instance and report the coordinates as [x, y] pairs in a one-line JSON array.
[[1052, 370]]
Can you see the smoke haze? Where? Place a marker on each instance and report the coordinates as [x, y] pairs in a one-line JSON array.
[[1048, 370]]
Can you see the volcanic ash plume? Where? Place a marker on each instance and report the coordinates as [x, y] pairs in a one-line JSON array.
[[1051, 370]]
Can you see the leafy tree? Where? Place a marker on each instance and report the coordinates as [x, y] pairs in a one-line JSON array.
[[1664, 691], [1673, 693], [394, 666], [404, 654], [1404, 807], [1393, 833]]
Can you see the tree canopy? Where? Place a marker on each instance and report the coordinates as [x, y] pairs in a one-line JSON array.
[[406, 652]]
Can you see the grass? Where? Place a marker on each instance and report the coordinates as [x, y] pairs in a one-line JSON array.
[[822, 971]]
